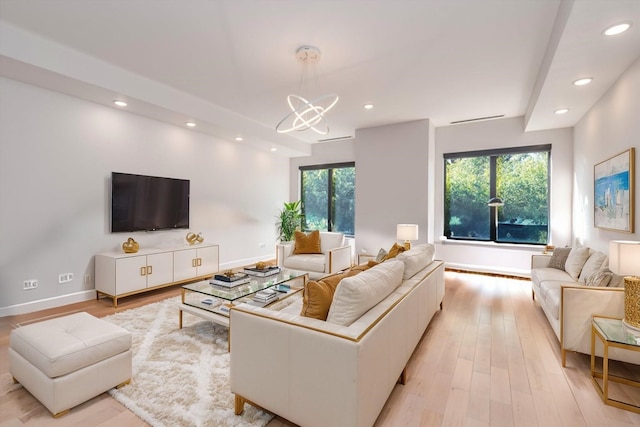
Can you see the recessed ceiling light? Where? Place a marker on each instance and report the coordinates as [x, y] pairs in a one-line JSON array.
[[561, 111], [583, 81], [367, 106], [190, 124], [274, 149], [617, 29], [120, 103], [239, 138]]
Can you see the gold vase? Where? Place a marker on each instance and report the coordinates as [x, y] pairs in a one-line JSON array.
[[632, 302], [130, 246]]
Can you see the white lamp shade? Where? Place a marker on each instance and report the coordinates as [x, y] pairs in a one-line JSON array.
[[407, 232], [624, 257]]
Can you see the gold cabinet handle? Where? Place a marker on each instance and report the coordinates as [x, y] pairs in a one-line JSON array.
[[143, 271], [193, 262], [149, 269], [199, 262]]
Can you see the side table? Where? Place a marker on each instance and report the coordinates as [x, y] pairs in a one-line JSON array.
[[612, 333]]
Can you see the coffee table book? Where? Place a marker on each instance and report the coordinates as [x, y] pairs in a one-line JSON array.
[[265, 272]]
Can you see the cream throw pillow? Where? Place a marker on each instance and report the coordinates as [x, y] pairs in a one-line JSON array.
[[575, 261], [356, 295]]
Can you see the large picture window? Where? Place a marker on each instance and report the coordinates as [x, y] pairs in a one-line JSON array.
[[328, 197], [518, 176]]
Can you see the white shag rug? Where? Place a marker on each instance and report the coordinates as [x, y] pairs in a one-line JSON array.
[[180, 376]]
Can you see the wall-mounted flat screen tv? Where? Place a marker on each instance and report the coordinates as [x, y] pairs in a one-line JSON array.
[[146, 203]]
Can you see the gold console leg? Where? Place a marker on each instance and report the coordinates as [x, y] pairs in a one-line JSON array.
[[62, 413], [403, 377], [15, 381], [124, 383], [239, 405]]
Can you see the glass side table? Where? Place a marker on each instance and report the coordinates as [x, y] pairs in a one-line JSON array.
[[612, 333]]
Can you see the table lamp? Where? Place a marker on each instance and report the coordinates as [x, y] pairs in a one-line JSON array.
[[624, 260], [407, 232]]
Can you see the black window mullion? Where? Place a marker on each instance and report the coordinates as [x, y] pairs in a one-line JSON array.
[[330, 199]]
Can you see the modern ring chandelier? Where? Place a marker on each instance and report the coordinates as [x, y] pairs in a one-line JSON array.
[[307, 114]]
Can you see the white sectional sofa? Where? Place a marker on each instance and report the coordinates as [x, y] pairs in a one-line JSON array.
[[570, 293], [320, 373]]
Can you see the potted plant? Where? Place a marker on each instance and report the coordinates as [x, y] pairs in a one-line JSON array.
[[289, 220]]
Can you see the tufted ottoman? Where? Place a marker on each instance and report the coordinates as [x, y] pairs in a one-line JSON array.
[[68, 360]]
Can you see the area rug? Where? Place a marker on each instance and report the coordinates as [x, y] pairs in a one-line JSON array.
[[180, 376]]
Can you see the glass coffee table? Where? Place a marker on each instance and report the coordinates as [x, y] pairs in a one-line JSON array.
[[213, 302]]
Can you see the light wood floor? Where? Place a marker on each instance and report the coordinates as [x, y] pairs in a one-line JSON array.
[[488, 359]]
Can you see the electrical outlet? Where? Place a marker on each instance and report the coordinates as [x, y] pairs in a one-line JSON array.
[[87, 279], [65, 278], [30, 284], [262, 245]]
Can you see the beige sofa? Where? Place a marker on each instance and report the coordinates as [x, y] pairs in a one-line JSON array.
[[571, 293], [320, 373], [335, 256]]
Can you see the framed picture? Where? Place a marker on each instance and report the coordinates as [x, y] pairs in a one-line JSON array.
[[613, 200]]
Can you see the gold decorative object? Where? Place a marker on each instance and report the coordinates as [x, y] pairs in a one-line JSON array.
[[261, 265], [130, 246], [229, 273], [194, 238], [632, 302]]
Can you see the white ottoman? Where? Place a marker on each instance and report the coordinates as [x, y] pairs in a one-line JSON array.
[[68, 360]]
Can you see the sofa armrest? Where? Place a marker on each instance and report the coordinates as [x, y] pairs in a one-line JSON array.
[[338, 259], [283, 250], [540, 261], [577, 306]]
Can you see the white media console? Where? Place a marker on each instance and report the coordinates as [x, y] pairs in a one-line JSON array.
[[120, 274]]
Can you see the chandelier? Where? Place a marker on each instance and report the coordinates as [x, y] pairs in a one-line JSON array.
[[307, 114]]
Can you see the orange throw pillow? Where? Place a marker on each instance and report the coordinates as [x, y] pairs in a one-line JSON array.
[[307, 243], [318, 295], [394, 251]]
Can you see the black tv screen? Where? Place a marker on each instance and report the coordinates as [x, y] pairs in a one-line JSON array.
[[146, 203]]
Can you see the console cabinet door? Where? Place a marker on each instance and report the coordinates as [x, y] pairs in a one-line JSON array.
[[207, 260], [131, 274], [159, 269], [184, 264]]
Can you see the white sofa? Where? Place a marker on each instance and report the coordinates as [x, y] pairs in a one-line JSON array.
[[569, 298], [319, 373], [335, 256]]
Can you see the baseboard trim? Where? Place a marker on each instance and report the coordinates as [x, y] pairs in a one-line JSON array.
[[489, 270], [44, 304]]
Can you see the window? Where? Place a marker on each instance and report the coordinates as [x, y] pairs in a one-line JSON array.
[[519, 176], [328, 197]]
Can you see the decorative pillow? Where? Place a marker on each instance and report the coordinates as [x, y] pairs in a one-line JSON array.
[[415, 259], [358, 294], [318, 295], [600, 278], [595, 262], [307, 243], [616, 281], [575, 261], [394, 251], [559, 258], [381, 254]]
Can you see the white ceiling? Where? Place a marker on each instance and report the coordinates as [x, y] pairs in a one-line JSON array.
[[229, 64]]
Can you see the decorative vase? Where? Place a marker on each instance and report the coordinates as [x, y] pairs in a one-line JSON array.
[[261, 265], [130, 246]]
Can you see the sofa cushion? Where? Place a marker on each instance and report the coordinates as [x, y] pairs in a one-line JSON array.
[[305, 262], [539, 275], [553, 302], [307, 243], [330, 240], [415, 259], [355, 295], [575, 261], [559, 258], [318, 295], [549, 285], [594, 263]]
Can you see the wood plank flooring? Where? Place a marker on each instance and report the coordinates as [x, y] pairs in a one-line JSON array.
[[489, 358]]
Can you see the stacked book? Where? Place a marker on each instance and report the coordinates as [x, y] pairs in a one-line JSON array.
[[236, 279], [267, 271], [265, 296]]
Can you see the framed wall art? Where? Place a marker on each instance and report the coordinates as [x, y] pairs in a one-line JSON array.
[[613, 200]]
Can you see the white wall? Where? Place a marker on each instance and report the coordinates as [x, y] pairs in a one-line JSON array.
[[392, 181], [56, 156], [609, 128], [504, 133]]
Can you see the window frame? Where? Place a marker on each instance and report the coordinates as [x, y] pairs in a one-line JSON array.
[[330, 167], [493, 154]]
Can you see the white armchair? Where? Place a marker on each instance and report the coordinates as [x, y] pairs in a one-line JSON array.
[[335, 256]]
